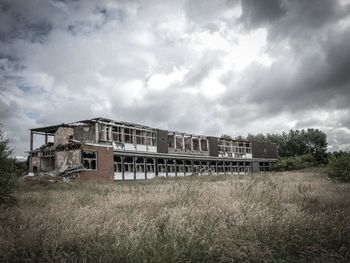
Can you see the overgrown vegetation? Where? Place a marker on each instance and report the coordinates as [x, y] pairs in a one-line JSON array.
[[339, 167], [296, 143], [280, 217], [296, 149], [10, 169], [295, 163]]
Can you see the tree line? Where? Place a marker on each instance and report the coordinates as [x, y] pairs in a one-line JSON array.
[[293, 143], [296, 142]]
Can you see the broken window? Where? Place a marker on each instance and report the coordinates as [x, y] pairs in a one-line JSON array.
[[170, 140], [140, 137], [117, 133], [129, 135], [188, 143], [90, 160], [195, 144], [179, 144], [204, 145], [149, 138]]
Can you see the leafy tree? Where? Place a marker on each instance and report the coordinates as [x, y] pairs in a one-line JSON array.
[[296, 143], [316, 142], [257, 138], [8, 171]]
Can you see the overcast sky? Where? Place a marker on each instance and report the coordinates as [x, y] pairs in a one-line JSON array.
[[207, 67]]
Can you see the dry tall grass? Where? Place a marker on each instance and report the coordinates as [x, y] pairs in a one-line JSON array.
[[295, 216]]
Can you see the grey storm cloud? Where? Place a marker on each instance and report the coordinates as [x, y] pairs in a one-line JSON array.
[[207, 67]]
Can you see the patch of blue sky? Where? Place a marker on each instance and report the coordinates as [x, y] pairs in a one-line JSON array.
[[33, 115]]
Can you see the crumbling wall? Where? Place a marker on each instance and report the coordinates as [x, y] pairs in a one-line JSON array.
[[35, 162], [63, 135], [47, 163], [73, 158], [85, 133]]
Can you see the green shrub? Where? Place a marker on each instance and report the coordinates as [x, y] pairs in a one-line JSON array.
[[295, 163], [8, 172], [339, 168]]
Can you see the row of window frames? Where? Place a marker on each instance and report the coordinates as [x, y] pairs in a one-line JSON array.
[[179, 144], [234, 144], [235, 149], [132, 139], [129, 132], [152, 141], [140, 168]]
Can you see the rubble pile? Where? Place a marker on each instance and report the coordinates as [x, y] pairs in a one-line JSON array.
[[65, 172]]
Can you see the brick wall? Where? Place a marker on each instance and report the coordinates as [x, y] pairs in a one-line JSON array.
[[105, 164]]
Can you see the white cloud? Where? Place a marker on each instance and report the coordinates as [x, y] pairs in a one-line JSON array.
[[174, 64]]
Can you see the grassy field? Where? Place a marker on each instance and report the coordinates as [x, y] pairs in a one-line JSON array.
[[281, 217]]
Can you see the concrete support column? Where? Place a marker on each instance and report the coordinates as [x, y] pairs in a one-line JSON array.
[[31, 141], [184, 167], [175, 166], [155, 164], [200, 144], [224, 167], [244, 168], [231, 172], [200, 168], [122, 134], [134, 165], [105, 133], [183, 142], [122, 164], [216, 167], [192, 166], [166, 167], [110, 133], [175, 141], [145, 166], [191, 144], [96, 133]]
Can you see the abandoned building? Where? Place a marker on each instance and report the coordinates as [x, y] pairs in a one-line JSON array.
[[118, 150]]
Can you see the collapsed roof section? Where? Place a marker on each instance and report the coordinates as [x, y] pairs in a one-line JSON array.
[[51, 130]]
